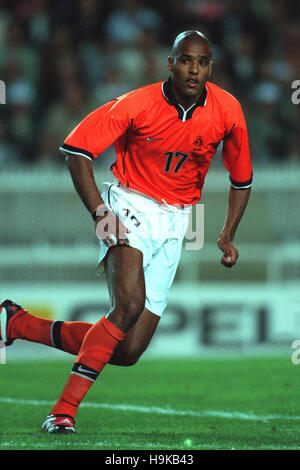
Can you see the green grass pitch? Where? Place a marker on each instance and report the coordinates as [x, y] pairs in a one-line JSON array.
[[246, 403]]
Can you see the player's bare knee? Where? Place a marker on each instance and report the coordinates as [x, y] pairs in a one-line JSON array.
[[128, 311], [126, 361], [130, 361], [133, 309], [126, 358], [133, 355]]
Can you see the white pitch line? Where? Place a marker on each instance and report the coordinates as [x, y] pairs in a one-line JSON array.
[[155, 445], [89, 444], [158, 410]]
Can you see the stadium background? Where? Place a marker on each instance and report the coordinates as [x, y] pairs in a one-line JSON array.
[[61, 59]]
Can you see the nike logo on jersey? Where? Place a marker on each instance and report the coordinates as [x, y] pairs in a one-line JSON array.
[[150, 139]]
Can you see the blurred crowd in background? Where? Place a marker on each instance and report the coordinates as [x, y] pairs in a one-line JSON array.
[[61, 59]]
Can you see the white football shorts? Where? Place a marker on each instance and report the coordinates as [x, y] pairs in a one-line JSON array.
[[157, 230]]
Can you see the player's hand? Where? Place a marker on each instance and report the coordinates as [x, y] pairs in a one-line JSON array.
[[231, 254], [109, 228]]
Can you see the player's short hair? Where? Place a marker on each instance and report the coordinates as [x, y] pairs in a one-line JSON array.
[[192, 34]]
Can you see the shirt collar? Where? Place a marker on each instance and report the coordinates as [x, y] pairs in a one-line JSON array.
[[169, 95]]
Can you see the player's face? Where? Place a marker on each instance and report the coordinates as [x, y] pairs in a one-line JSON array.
[[190, 69]]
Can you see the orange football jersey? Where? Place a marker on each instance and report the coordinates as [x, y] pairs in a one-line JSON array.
[[163, 150]]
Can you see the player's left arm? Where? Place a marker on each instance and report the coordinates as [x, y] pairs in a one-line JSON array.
[[237, 160], [237, 202]]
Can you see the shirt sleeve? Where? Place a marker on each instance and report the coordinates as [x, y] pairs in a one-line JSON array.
[[98, 130], [236, 152]]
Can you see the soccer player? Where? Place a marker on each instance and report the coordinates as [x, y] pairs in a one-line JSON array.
[[165, 135]]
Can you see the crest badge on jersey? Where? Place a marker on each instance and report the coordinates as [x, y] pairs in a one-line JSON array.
[[198, 142]]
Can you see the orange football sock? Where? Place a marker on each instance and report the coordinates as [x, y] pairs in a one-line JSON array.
[[67, 336], [73, 393], [30, 327], [97, 348]]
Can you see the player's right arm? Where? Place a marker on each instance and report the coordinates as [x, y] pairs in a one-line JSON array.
[[85, 143], [108, 226]]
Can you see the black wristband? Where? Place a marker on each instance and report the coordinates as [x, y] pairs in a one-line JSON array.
[[94, 215]]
